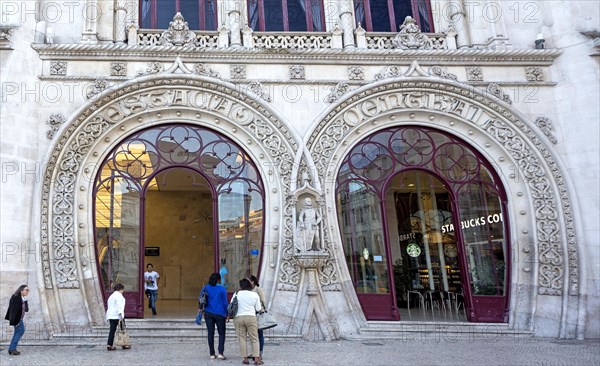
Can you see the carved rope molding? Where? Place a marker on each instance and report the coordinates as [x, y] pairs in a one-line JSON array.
[[115, 106], [334, 128]]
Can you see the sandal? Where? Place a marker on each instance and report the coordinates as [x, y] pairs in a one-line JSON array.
[[111, 348], [245, 361], [221, 357], [258, 361], [126, 347]]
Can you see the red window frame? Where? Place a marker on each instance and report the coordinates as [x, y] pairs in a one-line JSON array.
[[394, 25], [201, 17], [284, 8]]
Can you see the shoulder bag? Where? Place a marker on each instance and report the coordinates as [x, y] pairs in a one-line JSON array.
[[265, 319], [121, 337], [232, 308], [203, 299]]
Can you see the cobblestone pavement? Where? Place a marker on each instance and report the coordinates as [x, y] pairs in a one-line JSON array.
[[423, 351]]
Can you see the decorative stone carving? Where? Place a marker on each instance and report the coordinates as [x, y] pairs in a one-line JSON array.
[[495, 90], [200, 69], [65, 163], [340, 89], [474, 73], [534, 73], [152, 68], [58, 67], [547, 128], [525, 147], [356, 73], [5, 34], [257, 89], [118, 68], [55, 121], [297, 72], [410, 37], [389, 72], [441, 72], [309, 219], [178, 34], [98, 87], [238, 71]]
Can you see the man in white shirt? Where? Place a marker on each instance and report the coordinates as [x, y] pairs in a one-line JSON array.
[[151, 286]]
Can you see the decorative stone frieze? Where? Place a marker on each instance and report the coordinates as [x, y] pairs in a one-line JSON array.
[[410, 37], [178, 34], [58, 67], [547, 128], [200, 69], [495, 90], [98, 87], [237, 71], [389, 72], [55, 121], [356, 73], [118, 68], [258, 89], [534, 73], [474, 73], [340, 89], [297, 72], [441, 72]]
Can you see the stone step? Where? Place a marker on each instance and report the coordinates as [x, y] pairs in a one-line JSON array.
[[446, 330]]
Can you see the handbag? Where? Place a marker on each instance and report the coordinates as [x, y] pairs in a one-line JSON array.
[[121, 337], [265, 320], [203, 299], [199, 318], [232, 308]]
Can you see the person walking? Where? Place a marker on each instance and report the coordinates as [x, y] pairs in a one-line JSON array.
[[151, 286], [115, 311], [215, 313], [17, 307], [261, 294], [245, 320]]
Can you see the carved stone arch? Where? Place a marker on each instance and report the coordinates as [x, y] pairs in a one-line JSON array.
[[66, 240], [522, 157]]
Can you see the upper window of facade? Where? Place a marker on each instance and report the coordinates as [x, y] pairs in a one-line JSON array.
[[286, 15], [388, 15], [199, 14]]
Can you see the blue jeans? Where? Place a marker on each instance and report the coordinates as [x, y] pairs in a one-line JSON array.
[[212, 319], [19, 331], [152, 299]]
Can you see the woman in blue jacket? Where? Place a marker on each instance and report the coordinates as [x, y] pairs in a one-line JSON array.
[[215, 312]]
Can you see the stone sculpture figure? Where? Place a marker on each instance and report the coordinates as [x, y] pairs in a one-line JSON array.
[[309, 227]]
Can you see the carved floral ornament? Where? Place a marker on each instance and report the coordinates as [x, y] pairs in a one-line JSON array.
[[132, 101], [518, 140]]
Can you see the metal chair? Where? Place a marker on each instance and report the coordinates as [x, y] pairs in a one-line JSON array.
[[435, 298], [420, 298]]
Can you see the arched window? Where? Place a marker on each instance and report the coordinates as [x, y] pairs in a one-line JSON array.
[[388, 15], [286, 15], [199, 14]]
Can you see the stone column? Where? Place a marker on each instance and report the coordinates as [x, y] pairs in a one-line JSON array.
[[458, 19], [120, 21], [90, 35], [347, 23]]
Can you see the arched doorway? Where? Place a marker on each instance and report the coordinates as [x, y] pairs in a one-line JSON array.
[[190, 180], [421, 212]]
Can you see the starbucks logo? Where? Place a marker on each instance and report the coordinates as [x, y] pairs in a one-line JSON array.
[[413, 250]]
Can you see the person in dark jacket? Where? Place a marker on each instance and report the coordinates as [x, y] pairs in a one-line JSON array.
[[17, 307], [215, 313]]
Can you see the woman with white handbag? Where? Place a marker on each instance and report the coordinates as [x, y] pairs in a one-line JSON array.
[[115, 313]]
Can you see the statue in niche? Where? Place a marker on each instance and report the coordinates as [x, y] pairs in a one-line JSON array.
[[308, 227]]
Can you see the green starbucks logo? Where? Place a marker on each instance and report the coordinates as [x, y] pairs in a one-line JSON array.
[[413, 250]]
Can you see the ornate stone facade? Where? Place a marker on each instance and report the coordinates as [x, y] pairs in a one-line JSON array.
[[297, 127]]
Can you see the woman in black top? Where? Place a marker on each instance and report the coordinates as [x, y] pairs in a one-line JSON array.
[[17, 307]]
